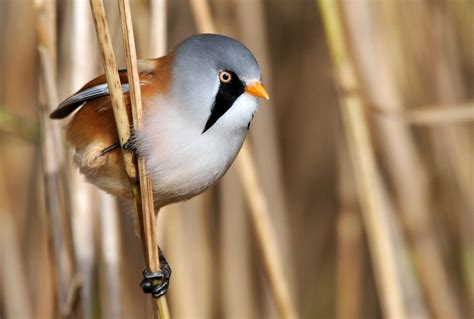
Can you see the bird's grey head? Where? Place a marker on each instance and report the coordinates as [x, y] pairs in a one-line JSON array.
[[213, 77]]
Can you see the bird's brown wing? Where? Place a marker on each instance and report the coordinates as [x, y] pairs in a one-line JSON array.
[[98, 88], [92, 129], [95, 120]]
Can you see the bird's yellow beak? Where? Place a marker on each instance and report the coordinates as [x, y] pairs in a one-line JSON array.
[[258, 90]]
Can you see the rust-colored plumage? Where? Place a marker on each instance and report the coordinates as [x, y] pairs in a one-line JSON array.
[[92, 129]]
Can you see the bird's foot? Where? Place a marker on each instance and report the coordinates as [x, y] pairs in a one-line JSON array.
[[130, 145], [156, 283]]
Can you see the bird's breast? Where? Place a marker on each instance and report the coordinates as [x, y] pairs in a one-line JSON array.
[[181, 160]]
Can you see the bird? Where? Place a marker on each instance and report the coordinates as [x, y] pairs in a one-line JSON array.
[[199, 100]]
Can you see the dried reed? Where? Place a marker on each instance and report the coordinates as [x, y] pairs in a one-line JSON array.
[[369, 183], [349, 277], [111, 251], [60, 241], [146, 207], [143, 199], [266, 238], [76, 41], [235, 256], [14, 286], [264, 134], [110, 68], [259, 212], [404, 163], [157, 27]]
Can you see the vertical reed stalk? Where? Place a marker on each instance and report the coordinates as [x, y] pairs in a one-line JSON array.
[[158, 36], [350, 244], [404, 163], [178, 237], [14, 284], [147, 209], [238, 292], [142, 192], [84, 219], [259, 212], [203, 16], [191, 225], [236, 254], [455, 143], [60, 241], [264, 133], [369, 183], [265, 233], [74, 71], [111, 251], [110, 68]]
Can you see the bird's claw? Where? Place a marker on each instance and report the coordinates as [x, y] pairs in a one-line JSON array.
[[156, 283], [130, 144]]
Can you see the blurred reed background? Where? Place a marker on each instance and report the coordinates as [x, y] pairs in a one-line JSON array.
[[365, 153]]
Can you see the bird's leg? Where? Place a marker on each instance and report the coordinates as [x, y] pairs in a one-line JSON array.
[[128, 146], [109, 149], [156, 283]]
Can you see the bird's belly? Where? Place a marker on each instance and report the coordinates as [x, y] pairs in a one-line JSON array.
[[188, 169]]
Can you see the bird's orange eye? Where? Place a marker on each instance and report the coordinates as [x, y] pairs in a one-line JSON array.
[[225, 77]]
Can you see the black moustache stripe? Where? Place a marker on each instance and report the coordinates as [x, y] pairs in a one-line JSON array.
[[225, 98]]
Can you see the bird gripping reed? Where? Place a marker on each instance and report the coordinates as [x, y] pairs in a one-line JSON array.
[[142, 193]]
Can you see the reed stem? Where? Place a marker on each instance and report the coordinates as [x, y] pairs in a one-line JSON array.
[[266, 237], [142, 192], [147, 211], [369, 182], [56, 196], [405, 167], [259, 212], [110, 67]]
